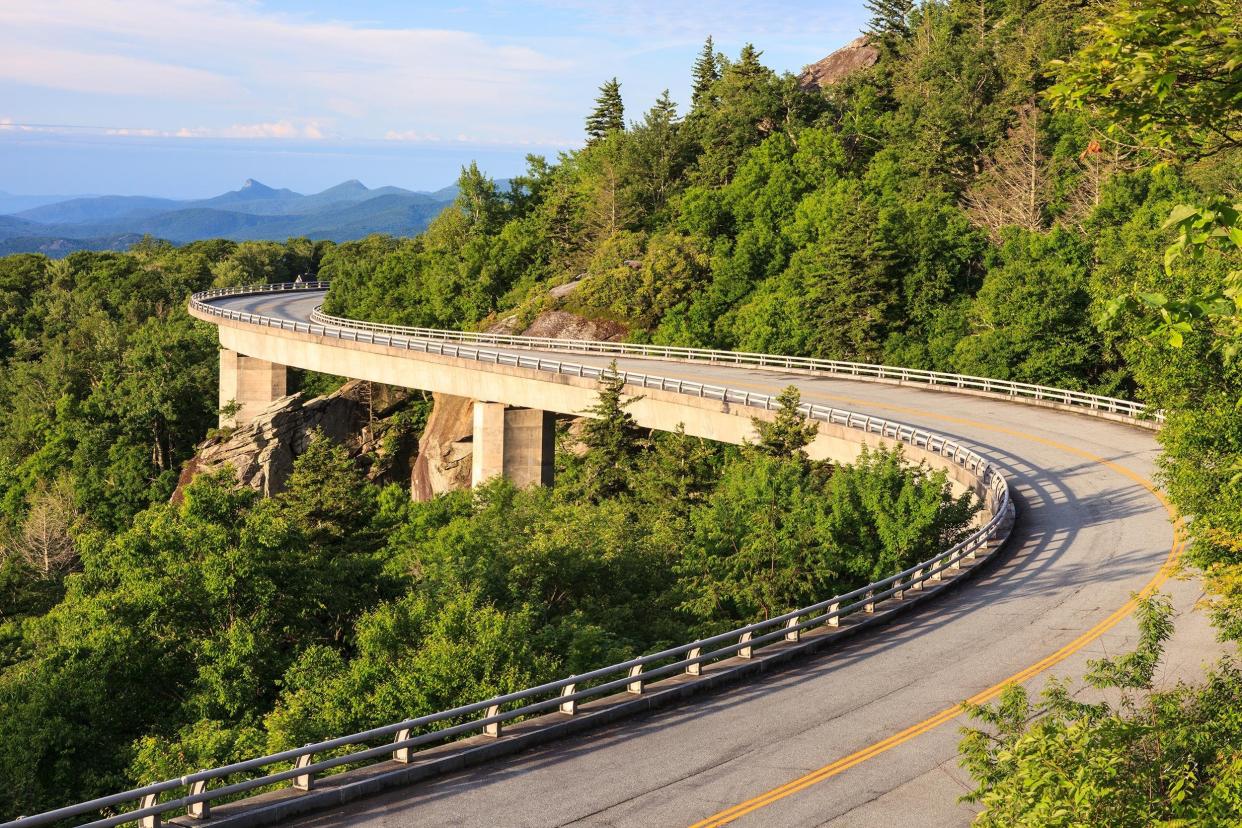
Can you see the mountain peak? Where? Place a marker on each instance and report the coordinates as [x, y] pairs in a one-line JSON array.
[[351, 186], [257, 186], [854, 56]]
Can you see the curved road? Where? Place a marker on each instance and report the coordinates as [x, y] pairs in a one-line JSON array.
[[1090, 532]]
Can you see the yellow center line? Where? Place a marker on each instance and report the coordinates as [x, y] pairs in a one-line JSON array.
[[949, 713]]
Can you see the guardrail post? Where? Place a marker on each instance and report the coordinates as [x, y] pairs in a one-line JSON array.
[[198, 810], [306, 781], [956, 563], [492, 728], [694, 668], [835, 619], [870, 605], [151, 820], [938, 574], [916, 583], [402, 754], [900, 594], [792, 633], [745, 650], [570, 707], [635, 687]]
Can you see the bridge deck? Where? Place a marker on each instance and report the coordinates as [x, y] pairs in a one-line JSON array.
[[1088, 535]]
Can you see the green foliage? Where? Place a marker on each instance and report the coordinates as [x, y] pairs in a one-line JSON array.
[[609, 113], [790, 432], [613, 440], [777, 532], [1161, 757], [1030, 318], [1163, 74]]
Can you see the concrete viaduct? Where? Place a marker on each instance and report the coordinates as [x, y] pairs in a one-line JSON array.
[[1092, 530], [863, 733], [514, 404]]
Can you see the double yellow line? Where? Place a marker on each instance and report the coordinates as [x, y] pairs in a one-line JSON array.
[[949, 713]]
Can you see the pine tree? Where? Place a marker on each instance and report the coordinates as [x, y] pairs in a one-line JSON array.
[[656, 156], [890, 19], [791, 432], [678, 471], [748, 64], [609, 113], [706, 72], [663, 112], [613, 440]]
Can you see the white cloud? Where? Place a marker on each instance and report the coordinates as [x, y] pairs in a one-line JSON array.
[[411, 135], [660, 22], [241, 65], [101, 73], [266, 129]]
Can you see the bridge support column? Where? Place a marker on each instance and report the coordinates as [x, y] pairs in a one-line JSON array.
[[518, 443], [251, 383]]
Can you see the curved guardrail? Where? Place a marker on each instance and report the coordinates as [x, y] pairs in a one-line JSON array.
[[1019, 391], [862, 370], [564, 694]]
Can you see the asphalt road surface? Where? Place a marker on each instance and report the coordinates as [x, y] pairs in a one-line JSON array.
[[1089, 534]]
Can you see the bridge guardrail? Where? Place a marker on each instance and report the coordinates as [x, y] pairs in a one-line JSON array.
[[562, 695], [863, 370], [1021, 390]]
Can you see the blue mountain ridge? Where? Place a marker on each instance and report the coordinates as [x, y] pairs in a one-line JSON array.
[[349, 210]]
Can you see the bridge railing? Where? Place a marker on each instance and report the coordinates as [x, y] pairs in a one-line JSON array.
[[194, 792], [862, 370], [562, 695], [939, 379]]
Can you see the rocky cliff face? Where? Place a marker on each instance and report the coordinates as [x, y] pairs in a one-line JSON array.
[[854, 56], [262, 452], [358, 416], [444, 456]]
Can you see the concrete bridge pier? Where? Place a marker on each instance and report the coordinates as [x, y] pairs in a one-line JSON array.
[[518, 443], [251, 383]]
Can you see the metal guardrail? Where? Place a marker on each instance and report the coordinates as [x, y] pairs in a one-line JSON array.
[[865, 370], [861, 370], [564, 694]]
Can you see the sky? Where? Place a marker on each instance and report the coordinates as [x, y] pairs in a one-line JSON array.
[[188, 98]]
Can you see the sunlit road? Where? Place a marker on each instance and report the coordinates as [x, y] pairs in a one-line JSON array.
[[1088, 535]]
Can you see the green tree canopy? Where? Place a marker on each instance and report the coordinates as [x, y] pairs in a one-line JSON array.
[[609, 113]]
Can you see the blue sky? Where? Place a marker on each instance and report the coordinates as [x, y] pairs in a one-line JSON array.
[[189, 97]]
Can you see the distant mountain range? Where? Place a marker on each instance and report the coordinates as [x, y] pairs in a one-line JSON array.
[[58, 225]]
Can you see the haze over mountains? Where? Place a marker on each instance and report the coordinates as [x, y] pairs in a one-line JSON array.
[[57, 225]]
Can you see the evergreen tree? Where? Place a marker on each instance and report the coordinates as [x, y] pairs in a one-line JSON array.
[[609, 113], [678, 471], [656, 156], [478, 200], [663, 112], [706, 72], [790, 432], [890, 19], [613, 439]]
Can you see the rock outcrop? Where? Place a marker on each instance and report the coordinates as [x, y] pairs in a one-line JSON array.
[[444, 452], [444, 456], [262, 451], [854, 56]]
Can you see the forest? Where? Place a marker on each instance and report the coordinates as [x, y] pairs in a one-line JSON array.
[[1046, 192]]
